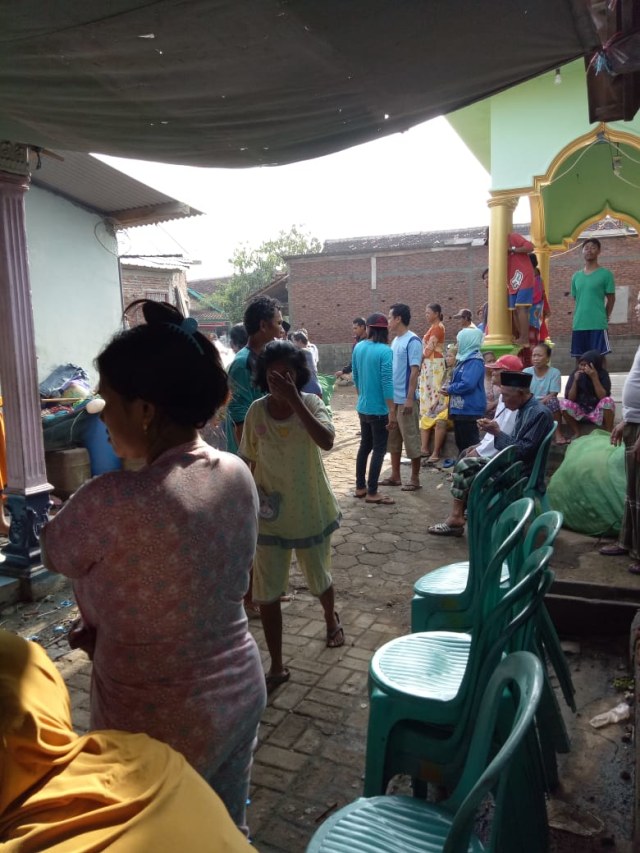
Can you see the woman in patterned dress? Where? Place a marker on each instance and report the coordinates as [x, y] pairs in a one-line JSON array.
[[160, 559], [431, 370]]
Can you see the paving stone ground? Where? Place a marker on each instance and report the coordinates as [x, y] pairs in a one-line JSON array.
[[311, 754]]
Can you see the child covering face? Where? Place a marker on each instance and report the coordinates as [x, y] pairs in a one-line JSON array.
[[283, 435]]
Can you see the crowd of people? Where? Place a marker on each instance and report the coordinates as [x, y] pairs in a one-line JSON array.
[[166, 559]]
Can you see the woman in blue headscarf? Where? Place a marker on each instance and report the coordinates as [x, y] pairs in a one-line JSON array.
[[467, 398]]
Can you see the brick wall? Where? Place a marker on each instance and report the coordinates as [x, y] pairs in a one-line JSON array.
[[139, 283], [327, 291]]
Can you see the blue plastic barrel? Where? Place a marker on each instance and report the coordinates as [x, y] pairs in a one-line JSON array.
[[101, 455]]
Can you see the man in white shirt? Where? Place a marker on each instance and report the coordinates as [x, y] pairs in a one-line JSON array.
[[628, 430], [407, 357]]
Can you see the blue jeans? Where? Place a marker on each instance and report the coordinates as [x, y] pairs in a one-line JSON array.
[[373, 430]]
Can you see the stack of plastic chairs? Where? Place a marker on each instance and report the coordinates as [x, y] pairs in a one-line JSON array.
[[449, 592], [397, 824], [425, 687], [540, 466]]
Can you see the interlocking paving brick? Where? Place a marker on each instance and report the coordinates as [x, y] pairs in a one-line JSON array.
[[334, 678], [318, 711], [283, 759], [285, 700]]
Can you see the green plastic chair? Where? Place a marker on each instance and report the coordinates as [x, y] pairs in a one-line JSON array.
[[406, 825], [435, 679], [537, 473], [453, 588], [449, 611], [544, 531]]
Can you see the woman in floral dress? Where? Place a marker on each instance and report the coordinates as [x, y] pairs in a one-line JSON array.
[[431, 370], [160, 559]]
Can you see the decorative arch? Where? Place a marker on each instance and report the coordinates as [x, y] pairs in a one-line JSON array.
[[595, 175]]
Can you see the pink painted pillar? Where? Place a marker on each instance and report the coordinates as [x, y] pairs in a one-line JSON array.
[[27, 490]]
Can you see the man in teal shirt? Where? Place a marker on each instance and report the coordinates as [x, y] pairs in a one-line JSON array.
[[594, 292], [263, 323]]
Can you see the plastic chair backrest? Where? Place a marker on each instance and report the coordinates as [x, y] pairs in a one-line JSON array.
[[540, 464], [543, 531], [494, 626], [493, 497], [496, 623], [505, 536], [524, 671]]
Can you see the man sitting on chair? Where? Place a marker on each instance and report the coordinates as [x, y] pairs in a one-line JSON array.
[[532, 424]]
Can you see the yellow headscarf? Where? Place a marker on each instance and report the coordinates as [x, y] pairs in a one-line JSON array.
[[105, 790]]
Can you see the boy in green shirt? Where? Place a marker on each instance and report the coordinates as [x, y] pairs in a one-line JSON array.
[[593, 289]]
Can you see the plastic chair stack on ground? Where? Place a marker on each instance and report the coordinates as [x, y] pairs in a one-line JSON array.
[[448, 593], [406, 825], [455, 612], [539, 467], [542, 639], [425, 687]]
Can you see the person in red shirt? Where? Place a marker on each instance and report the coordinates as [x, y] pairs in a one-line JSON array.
[[520, 283]]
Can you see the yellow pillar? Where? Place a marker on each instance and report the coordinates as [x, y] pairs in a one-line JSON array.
[[538, 238], [544, 257], [500, 336]]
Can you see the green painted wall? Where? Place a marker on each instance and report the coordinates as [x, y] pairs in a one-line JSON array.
[[517, 134]]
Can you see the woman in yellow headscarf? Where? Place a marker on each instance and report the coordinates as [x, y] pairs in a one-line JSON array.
[[106, 790]]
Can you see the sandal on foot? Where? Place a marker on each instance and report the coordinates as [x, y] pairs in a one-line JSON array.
[[634, 569], [383, 499], [274, 680], [335, 637], [444, 529], [358, 494], [390, 482], [612, 550], [410, 487]]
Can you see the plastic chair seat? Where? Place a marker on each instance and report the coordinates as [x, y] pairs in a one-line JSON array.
[[423, 666], [387, 825], [451, 579]]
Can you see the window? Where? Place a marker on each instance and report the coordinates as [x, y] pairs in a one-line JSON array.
[[157, 295]]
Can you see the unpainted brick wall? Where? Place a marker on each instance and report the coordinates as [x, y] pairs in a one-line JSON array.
[[138, 281], [327, 291]]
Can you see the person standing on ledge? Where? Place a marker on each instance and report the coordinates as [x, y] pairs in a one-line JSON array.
[[594, 291], [520, 283]]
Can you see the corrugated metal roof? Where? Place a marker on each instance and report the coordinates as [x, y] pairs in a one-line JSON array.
[[95, 185], [405, 242]]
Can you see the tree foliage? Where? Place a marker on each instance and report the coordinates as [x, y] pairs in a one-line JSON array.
[[254, 268]]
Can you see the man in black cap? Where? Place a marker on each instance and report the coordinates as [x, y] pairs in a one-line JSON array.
[[533, 423]]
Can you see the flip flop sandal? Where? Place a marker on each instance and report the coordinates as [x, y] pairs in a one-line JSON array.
[[634, 569], [448, 463], [335, 635], [275, 680], [444, 529], [410, 487], [385, 499], [612, 551], [390, 482], [357, 495]]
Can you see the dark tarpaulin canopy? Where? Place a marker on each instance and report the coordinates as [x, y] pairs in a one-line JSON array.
[[258, 82]]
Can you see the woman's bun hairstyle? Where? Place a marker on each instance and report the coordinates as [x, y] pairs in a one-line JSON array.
[[166, 361]]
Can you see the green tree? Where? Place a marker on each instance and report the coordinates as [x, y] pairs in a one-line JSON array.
[[254, 268]]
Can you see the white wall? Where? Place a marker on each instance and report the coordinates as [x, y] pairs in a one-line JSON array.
[[74, 281]]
